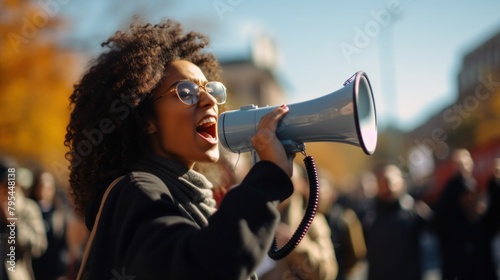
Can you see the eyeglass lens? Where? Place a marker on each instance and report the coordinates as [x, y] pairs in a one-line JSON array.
[[189, 92]]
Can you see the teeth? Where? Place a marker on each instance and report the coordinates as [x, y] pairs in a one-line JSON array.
[[209, 120]]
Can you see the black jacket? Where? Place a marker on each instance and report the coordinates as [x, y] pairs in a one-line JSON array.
[[143, 235], [466, 251], [392, 231]]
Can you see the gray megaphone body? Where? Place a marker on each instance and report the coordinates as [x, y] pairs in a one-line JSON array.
[[347, 115]]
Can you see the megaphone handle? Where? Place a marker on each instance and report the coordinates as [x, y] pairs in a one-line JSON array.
[[312, 205], [254, 157]]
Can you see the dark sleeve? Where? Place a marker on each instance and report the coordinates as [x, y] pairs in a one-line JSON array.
[[492, 216], [154, 241], [447, 202]]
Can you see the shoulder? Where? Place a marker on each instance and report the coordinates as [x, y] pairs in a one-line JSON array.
[[138, 183], [407, 202], [133, 193], [27, 207]]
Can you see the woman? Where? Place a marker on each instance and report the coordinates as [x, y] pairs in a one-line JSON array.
[[54, 263], [147, 109]]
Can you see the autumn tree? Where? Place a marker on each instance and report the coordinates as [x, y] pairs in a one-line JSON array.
[[36, 77]]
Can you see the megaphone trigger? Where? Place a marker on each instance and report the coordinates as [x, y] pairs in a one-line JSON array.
[[292, 147]]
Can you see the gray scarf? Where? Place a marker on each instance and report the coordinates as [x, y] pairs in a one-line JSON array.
[[191, 190]]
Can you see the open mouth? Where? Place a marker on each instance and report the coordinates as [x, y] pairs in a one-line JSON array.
[[207, 128]]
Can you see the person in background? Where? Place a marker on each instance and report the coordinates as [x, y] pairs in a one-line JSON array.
[[53, 264], [492, 216], [392, 228], [346, 229], [314, 257], [22, 231], [77, 236], [464, 226], [362, 197]]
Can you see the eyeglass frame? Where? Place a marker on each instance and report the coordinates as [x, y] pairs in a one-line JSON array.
[[176, 84]]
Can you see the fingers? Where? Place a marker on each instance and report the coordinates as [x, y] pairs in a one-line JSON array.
[[266, 130], [267, 144], [263, 139], [272, 119]]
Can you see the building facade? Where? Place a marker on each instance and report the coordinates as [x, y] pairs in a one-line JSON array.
[[472, 121]]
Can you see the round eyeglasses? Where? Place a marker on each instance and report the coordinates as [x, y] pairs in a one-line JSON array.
[[189, 92]]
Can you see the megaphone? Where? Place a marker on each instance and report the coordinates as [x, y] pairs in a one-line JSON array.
[[347, 115]]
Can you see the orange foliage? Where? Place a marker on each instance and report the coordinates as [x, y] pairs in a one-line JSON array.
[[36, 77]]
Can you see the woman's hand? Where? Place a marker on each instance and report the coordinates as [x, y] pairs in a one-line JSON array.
[[267, 145]]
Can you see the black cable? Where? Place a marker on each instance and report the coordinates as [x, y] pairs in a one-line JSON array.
[[312, 205]]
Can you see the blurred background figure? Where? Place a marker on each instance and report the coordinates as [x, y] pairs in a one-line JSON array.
[[77, 235], [54, 263], [464, 224], [314, 257], [493, 214], [362, 198], [346, 230], [392, 228], [24, 177], [28, 230], [493, 196]]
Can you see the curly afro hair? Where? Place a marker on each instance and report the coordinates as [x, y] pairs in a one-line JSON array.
[[111, 102]]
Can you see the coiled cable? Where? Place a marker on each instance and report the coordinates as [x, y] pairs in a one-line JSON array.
[[312, 205]]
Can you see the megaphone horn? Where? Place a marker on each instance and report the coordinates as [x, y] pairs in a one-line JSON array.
[[347, 115]]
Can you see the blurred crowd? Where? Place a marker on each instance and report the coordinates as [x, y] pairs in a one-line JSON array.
[[381, 229], [46, 239], [386, 227]]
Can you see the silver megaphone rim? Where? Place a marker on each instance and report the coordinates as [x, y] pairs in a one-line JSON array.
[[367, 139]]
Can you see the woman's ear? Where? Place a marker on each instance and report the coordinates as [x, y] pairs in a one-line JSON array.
[[150, 126], [148, 121]]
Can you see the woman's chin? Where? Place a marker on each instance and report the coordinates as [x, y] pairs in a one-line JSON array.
[[211, 156]]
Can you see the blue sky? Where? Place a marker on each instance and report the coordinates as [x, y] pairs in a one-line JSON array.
[[410, 49]]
